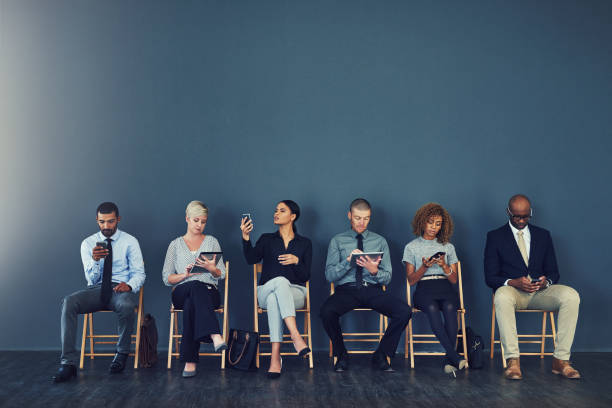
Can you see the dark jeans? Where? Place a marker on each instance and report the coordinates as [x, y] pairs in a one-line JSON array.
[[198, 301], [346, 299], [88, 301]]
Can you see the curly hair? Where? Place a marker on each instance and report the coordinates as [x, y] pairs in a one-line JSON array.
[[423, 215]]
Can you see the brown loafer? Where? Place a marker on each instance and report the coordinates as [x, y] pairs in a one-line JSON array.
[[513, 369], [564, 368]]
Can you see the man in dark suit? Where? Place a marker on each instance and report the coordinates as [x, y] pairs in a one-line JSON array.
[[521, 267]]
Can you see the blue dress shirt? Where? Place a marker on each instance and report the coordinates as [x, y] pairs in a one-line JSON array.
[[128, 265], [340, 271]]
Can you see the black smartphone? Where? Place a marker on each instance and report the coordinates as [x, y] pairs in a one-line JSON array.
[[247, 216], [436, 256], [101, 244], [535, 280]]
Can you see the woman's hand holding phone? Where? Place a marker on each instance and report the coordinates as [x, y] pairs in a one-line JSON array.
[[246, 226]]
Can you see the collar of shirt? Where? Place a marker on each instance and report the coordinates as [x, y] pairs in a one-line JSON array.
[[354, 233], [114, 237], [526, 232]]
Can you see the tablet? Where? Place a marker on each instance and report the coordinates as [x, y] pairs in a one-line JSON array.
[[373, 256], [209, 256]]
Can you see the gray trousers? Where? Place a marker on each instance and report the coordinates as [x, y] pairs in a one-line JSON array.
[[555, 298], [280, 298], [88, 301]]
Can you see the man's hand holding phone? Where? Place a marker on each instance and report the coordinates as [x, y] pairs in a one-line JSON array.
[[99, 251], [525, 284]]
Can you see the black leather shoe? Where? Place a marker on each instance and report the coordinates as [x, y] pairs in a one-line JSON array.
[[65, 372], [118, 363], [342, 363], [379, 361]]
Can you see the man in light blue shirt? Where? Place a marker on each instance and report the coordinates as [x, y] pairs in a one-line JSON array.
[[360, 285], [114, 271]]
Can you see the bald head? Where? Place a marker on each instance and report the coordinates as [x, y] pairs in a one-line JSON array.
[[519, 210], [519, 202]]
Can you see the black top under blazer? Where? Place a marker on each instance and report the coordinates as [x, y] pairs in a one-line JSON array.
[[503, 260]]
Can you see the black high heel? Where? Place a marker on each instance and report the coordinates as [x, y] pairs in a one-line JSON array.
[[273, 375], [304, 352]]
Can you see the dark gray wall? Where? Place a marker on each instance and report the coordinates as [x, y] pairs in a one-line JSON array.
[[152, 104]]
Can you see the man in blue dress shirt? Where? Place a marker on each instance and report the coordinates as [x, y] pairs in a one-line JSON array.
[[114, 273], [361, 286]]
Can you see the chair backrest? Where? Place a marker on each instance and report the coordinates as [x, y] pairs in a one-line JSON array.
[[459, 283]]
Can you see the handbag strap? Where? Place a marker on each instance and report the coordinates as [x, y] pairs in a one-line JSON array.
[[246, 340]]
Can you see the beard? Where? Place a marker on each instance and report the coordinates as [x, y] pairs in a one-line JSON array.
[[108, 232]]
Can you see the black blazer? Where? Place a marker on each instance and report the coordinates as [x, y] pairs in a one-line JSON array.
[[503, 260]]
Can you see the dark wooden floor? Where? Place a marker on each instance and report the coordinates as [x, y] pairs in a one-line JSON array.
[[26, 382]]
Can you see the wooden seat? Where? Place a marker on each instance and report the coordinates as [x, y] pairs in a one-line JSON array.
[[536, 338], [259, 311], [410, 335], [108, 338], [361, 336], [174, 339]]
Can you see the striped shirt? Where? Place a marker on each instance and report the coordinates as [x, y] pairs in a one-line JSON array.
[[179, 256]]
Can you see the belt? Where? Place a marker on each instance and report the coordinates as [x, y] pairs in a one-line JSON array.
[[354, 285], [432, 277]]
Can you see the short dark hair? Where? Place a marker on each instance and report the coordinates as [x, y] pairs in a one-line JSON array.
[[107, 208], [360, 204]]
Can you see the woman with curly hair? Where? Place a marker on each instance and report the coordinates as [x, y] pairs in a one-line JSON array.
[[431, 264]]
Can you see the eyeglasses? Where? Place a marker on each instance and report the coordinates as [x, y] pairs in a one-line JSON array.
[[520, 217]]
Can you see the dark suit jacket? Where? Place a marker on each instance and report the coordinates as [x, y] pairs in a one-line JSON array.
[[503, 260]]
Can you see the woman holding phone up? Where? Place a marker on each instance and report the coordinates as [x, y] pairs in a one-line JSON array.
[[195, 292], [286, 258], [431, 264]]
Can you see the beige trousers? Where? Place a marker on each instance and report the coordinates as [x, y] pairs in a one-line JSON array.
[[556, 298]]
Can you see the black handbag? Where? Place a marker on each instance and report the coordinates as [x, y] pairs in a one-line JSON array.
[[242, 350], [475, 348]]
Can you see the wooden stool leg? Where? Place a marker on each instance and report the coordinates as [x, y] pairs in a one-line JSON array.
[[543, 336], [137, 348], [91, 337], [553, 328], [465, 349], [310, 358], [176, 332], [492, 331], [411, 341], [83, 341], [170, 338]]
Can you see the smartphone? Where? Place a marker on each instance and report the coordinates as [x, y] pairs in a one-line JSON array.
[[247, 216], [436, 256], [101, 244], [535, 280]]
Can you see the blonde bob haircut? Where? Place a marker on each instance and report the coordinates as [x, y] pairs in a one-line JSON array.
[[196, 209]]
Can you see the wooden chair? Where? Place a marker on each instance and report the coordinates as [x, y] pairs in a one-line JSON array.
[[541, 337], [174, 339], [307, 335], [410, 336], [108, 338], [361, 336]]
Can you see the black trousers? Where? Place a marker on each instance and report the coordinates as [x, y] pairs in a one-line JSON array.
[[198, 301], [348, 298]]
